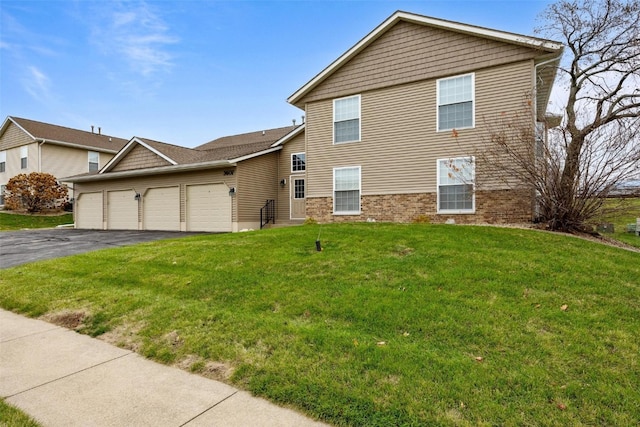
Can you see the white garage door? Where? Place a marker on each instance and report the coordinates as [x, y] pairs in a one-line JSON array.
[[122, 210], [208, 208], [162, 209], [88, 207]]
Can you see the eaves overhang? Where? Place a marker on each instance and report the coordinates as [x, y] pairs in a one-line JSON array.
[[297, 131], [161, 170], [72, 145]]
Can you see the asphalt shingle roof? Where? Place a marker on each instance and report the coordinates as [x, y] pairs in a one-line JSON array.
[[55, 133], [225, 148]]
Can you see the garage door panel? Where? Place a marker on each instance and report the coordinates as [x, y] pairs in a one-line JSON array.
[[162, 209], [88, 207], [208, 208], [122, 210]]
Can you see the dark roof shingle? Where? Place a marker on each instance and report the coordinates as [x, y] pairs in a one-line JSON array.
[[55, 133]]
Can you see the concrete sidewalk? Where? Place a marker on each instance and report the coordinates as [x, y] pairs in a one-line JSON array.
[[62, 378]]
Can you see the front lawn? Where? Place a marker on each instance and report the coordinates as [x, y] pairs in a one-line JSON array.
[[11, 416], [11, 221], [388, 325], [629, 210]]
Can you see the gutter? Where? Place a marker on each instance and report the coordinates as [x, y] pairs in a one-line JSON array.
[[555, 58], [149, 171], [82, 147]]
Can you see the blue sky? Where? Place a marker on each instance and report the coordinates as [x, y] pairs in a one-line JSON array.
[[191, 71]]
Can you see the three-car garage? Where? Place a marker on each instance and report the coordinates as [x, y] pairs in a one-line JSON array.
[[185, 207]]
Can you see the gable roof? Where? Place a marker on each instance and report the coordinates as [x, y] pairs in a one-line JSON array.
[[549, 50], [220, 152], [60, 135]]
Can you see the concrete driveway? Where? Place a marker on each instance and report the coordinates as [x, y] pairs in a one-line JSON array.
[[21, 247]]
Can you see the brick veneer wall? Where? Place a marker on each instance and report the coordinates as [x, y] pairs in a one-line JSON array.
[[492, 207]]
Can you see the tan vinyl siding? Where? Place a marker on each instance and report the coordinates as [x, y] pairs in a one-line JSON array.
[[408, 52], [142, 184], [63, 161], [399, 146], [257, 182], [13, 137], [13, 163], [283, 202], [140, 158]]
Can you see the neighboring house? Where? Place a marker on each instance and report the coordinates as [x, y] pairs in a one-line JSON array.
[[380, 122], [378, 142], [219, 186], [29, 146]]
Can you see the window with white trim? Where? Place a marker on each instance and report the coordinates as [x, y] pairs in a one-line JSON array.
[[298, 162], [456, 178], [346, 119], [456, 102], [3, 161], [346, 190], [24, 154], [298, 188], [94, 161], [2, 188]]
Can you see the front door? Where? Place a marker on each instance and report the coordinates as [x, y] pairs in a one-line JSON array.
[[297, 197]]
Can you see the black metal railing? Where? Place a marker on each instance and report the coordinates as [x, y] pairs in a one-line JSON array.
[[268, 213]]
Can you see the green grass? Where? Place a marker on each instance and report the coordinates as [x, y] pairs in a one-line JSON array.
[[13, 417], [11, 221], [629, 210], [388, 325]]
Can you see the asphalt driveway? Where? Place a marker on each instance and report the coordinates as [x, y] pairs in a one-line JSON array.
[[21, 247]]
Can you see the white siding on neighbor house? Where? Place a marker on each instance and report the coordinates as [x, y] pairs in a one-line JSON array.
[[161, 207], [208, 208], [122, 210], [88, 211]]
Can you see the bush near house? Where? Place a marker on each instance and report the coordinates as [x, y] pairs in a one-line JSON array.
[[35, 192]]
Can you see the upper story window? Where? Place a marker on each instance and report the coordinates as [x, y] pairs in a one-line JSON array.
[[346, 119], [456, 99], [456, 179], [298, 162], [346, 190], [24, 155], [94, 161], [3, 161]]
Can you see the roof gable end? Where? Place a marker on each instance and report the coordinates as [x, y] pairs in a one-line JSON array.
[[133, 147], [402, 41]]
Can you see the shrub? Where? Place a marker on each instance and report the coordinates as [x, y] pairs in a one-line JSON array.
[[35, 192]]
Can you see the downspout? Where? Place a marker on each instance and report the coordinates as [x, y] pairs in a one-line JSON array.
[[535, 79], [40, 155]]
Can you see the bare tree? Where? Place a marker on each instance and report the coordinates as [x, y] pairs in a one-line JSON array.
[[596, 145]]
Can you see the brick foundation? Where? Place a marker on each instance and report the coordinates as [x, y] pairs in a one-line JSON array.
[[492, 207]]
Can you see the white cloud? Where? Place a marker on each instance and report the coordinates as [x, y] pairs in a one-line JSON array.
[[136, 34], [37, 83]]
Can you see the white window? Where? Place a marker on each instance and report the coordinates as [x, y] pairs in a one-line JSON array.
[[298, 188], [94, 161], [456, 185], [456, 102], [24, 154], [2, 188], [298, 162], [3, 161], [346, 190], [346, 119]]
